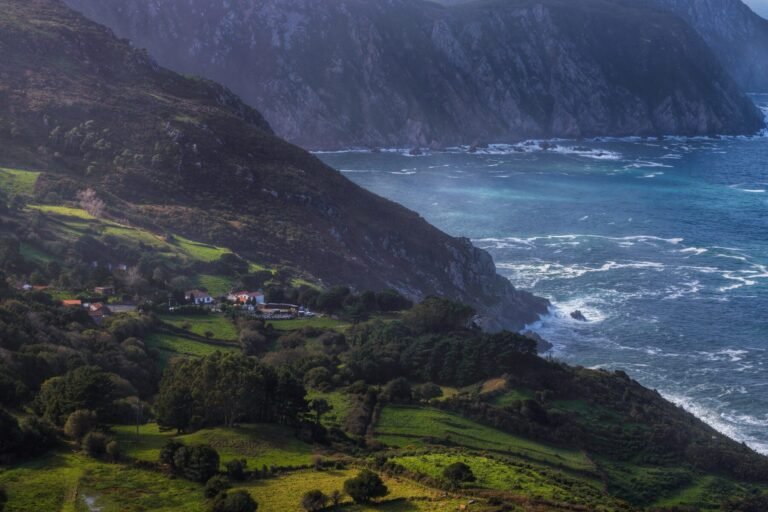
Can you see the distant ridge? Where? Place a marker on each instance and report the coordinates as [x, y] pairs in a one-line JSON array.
[[412, 73]]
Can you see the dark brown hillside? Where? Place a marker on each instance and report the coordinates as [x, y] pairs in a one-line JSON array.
[[187, 155]]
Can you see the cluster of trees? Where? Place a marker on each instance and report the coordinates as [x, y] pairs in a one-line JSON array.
[[434, 344], [223, 389]]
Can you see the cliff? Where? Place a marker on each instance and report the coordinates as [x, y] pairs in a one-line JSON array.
[[413, 73]]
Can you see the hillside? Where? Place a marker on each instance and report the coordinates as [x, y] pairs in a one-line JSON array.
[[414, 73], [737, 35], [403, 396], [184, 156]]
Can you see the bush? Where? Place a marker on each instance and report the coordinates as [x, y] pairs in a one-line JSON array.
[[95, 444], [236, 469], [79, 423], [398, 391], [313, 501], [216, 485], [195, 463], [237, 501], [3, 499], [114, 452], [458, 473], [365, 487]]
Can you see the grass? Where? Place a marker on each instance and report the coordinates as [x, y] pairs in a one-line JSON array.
[[340, 403], [199, 251], [284, 493], [18, 182], [215, 285], [260, 444], [30, 252], [409, 426], [512, 396], [64, 211], [179, 345], [221, 326], [513, 477], [318, 322]]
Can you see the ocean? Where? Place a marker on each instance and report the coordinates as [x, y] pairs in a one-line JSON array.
[[661, 244]]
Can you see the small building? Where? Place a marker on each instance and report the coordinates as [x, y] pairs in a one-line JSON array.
[[105, 291], [254, 298], [72, 303], [199, 297], [98, 312]]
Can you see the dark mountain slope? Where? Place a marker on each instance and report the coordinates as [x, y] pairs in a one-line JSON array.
[[408, 72], [186, 155], [737, 35]]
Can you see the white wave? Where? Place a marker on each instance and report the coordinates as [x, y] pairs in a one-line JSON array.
[[643, 164], [355, 171], [533, 239], [651, 175], [726, 424], [694, 250]]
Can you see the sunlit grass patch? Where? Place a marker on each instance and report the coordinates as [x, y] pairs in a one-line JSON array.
[[18, 182]]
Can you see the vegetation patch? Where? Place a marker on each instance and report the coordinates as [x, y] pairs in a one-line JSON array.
[[260, 444], [410, 426], [18, 182], [217, 327]]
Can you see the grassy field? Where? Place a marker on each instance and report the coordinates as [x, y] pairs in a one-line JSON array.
[[318, 322], [283, 494], [215, 285], [170, 345], [18, 182], [64, 481], [221, 326], [537, 482], [260, 445], [408, 426], [512, 396], [339, 402], [199, 251]]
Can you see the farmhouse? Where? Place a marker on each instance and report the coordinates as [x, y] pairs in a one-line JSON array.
[[199, 297], [254, 298]]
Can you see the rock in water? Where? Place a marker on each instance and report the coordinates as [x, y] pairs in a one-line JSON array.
[[578, 315]]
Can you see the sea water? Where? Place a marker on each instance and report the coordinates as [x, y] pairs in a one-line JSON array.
[[661, 243]]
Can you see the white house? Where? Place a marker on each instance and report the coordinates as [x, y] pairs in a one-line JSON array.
[[247, 297], [199, 297]]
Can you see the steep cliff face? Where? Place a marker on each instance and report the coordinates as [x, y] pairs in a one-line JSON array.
[[187, 156], [408, 72], [737, 35]]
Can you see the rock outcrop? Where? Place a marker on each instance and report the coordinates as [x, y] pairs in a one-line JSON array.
[[413, 73]]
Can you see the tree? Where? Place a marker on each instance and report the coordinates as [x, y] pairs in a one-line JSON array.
[[90, 202], [313, 501], [216, 485], [458, 473], [398, 391], [237, 501], [95, 444], [114, 452], [336, 497], [79, 423], [87, 387], [196, 463], [365, 487], [320, 406], [427, 391], [236, 469], [3, 499], [436, 315], [10, 433]]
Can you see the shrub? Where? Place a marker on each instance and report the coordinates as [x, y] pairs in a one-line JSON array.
[[79, 423], [95, 444], [236, 469], [237, 501], [313, 501], [458, 473], [365, 487], [114, 452], [216, 485], [3, 499]]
